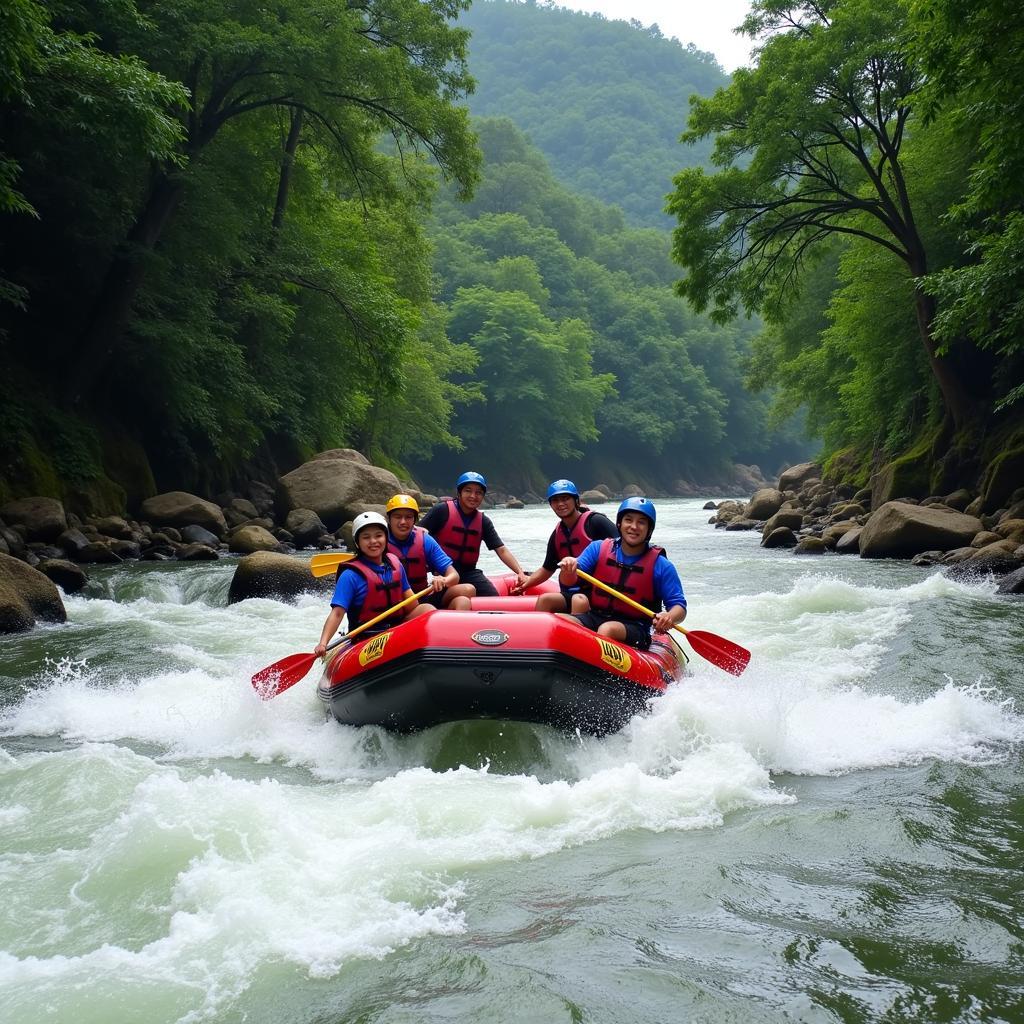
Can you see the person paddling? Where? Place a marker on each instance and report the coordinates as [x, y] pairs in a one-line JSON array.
[[577, 527], [371, 583], [460, 527], [635, 568], [418, 552]]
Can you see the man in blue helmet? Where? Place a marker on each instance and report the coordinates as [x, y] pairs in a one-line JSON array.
[[459, 527], [577, 527], [633, 567]]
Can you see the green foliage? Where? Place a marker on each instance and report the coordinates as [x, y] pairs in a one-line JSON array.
[[601, 99]]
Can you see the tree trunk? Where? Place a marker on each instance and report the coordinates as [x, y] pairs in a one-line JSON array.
[[100, 338], [287, 165]]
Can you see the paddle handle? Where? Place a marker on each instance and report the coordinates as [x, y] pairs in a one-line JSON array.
[[622, 597]]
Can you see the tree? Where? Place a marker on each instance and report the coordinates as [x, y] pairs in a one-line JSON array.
[[354, 69], [810, 145]]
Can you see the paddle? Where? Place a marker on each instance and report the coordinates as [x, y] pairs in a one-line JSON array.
[[719, 651], [277, 678], [327, 564]]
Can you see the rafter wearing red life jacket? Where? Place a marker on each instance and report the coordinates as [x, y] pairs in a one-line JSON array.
[[380, 596], [635, 581], [569, 543], [414, 560], [461, 543]]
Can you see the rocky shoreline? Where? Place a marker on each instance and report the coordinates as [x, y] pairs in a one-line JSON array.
[[43, 547], [814, 516]]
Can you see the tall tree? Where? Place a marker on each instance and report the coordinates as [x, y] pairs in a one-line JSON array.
[[810, 144], [356, 69]]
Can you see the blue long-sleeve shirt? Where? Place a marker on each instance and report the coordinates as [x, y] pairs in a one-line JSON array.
[[437, 560], [350, 590]]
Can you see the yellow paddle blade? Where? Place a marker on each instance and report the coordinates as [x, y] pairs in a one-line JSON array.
[[327, 564]]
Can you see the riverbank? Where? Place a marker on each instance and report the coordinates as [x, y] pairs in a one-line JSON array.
[[813, 515]]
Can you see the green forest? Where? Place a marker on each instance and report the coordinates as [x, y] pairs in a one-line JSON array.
[[234, 235]]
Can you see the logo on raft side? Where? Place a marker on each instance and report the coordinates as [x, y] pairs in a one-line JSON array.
[[490, 637], [373, 649], [613, 655]]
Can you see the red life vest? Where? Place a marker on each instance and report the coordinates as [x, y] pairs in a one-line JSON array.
[[635, 581], [414, 560], [461, 543], [569, 543], [380, 596]]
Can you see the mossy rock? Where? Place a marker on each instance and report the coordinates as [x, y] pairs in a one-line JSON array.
[[909, 476], [1003, 475], [849, 466], [127, 466], [98, 497]]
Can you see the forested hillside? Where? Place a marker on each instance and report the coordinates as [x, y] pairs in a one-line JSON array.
[[583, 355], [604, 101]]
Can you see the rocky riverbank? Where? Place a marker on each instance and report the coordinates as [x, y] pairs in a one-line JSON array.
[[814, 516], [43, 546]]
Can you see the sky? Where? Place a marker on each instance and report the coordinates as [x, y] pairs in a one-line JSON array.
[[708, 24]]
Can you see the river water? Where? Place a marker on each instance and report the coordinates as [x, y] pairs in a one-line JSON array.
[[838, 835]]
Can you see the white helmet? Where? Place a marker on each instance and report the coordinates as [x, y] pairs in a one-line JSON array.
[[365, 519]]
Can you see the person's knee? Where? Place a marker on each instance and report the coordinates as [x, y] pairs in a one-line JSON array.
[[580, 604], [550, 603], [459, 604], [612, 630]]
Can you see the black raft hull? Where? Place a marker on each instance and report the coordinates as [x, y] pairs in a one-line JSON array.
[[517, 666]]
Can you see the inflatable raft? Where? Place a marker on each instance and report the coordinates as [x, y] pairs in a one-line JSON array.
[[501, 660]]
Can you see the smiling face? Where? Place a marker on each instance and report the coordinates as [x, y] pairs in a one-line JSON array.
[[564, 506], [402, 521], [471, 497], [372, 542], [634, 529]]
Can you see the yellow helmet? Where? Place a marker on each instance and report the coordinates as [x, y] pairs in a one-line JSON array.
[[402, 501]]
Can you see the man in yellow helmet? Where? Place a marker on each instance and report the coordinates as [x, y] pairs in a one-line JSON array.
[[418, 552]]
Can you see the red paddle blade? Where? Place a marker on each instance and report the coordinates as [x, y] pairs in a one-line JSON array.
[[276, 678], [719, 651]]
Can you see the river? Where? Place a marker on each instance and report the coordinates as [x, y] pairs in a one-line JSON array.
[[836, 836]]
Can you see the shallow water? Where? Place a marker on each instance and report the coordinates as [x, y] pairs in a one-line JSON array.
[[836, 836]]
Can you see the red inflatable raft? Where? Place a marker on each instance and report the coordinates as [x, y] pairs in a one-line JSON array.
[[502, 660]]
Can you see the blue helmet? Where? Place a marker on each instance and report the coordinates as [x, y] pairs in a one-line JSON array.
[[642, 505], [562, 487], [470, 478]]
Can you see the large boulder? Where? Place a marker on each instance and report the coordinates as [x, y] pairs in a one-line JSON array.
[[265, 574], [764, 504], [26, 595], [68, 576], [43, 518], [179, 508], [305, 526], [335, 489], [248, 539], [901, 530], [344, 454], [795, 477], [594, 497]]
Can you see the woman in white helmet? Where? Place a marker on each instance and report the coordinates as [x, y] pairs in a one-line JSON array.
[[371, 583]]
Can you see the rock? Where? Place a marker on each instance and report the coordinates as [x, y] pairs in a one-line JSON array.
[[97, 552], [529, 498], [248, 539], [794, 477], [810, 546], [997, 558], [114, 526], [594, 497], [514, 503], [849, 543], [125, 549], [43, 518], [193, 534], [901, 530], [1002, 478], [835, 532], [633, 491], [863, 496], [849, 511], [747, 479], [305, 526], [197, 552], [1010, 529], [26, 595], [345, 455], [68, 576], [13, 541], [604, 489], [926, 558], [958, 500], [793, 519], [246, 507], [958, 555], [1015, 511], [72, 541], [780, 537], [269, 575], [709, 505], [741, 523], [179, 508], [976, 507], [1012, 583], [262, 496], [984, 538], [764, 504], [335, 489]]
